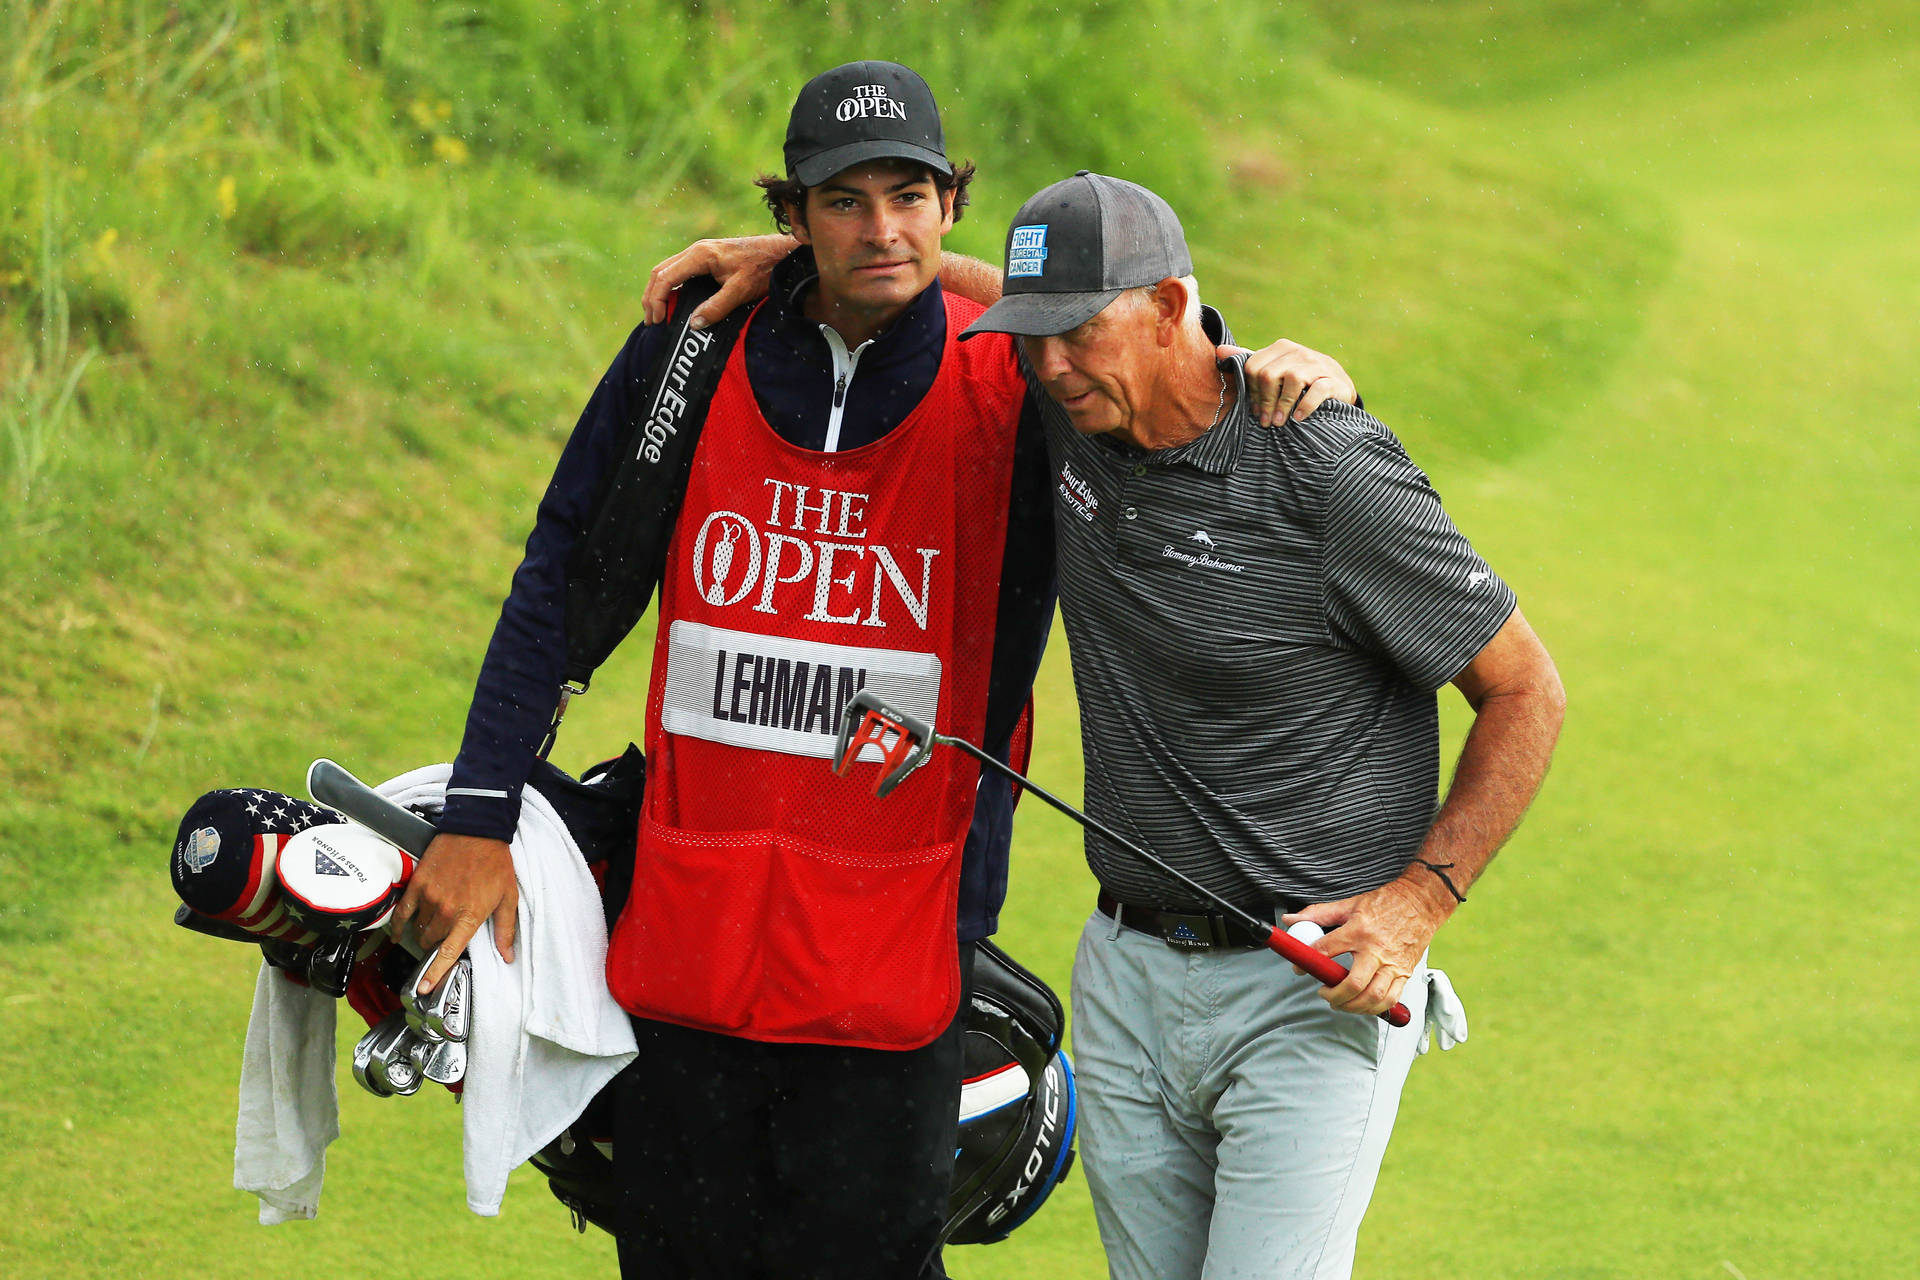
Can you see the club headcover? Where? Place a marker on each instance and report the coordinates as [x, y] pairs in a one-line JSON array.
[[342, 877], [1017, 1103], [225, 855], [867, 721]]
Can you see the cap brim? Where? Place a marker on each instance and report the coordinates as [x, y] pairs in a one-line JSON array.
[[1040, 315], [817, 169]]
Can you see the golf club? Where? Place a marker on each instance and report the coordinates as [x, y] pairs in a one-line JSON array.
[[390, 1062], [914, 744], [336, 788], [442, 1063], [363, 1062], [440, 1014]]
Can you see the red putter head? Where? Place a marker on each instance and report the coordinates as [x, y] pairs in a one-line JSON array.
[[867, 721]]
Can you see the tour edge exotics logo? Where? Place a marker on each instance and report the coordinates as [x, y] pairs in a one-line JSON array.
[[1043, 1149], [670, 403], [1077, 493], [870, 102], [832, 576]]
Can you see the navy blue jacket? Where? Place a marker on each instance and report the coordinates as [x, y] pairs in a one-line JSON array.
[[790, 368]]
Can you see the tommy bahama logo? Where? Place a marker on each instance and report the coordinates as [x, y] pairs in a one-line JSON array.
[[1201, 560], [870, 102]]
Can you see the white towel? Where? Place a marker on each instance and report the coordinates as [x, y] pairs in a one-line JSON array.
[[546, 1034], [288, 1109]]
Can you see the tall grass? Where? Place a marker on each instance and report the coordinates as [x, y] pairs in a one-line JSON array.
[[37, 407], [351, 265]]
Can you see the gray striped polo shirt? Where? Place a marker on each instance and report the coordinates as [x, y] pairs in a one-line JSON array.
[[1259, 620]]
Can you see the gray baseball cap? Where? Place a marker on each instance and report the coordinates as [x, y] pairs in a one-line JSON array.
[[863, 111], [1077, 246]]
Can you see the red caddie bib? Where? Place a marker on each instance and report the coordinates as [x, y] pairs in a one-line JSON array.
[[771, 899]]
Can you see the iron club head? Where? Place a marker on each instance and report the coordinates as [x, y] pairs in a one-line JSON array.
[[442, 1013], [442, 1063], [390, 1062]]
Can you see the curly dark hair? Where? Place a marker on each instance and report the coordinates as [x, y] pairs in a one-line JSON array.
[[783, 194]]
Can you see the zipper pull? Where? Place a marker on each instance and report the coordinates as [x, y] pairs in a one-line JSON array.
[[840, 392]]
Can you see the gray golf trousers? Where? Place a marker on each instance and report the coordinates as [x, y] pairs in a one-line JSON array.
[[1232, 1124]]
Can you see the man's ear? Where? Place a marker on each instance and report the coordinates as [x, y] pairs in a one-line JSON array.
[[1169, 310], [946, 211], [797, 220]]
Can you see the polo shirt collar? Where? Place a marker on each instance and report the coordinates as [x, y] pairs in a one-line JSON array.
[[1217, 451]]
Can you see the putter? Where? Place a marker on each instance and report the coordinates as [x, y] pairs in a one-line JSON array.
[[329, 964], [869, 721]]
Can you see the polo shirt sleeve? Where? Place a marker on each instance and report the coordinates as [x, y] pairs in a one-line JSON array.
[[1401, 581]]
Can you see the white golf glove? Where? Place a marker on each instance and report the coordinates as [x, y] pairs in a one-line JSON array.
[[1446, 1016]]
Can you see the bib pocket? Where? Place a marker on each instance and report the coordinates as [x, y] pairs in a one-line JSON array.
[[762, 935]]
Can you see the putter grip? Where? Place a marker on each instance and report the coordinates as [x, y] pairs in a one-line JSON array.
[[334, 787], [1329, 972]]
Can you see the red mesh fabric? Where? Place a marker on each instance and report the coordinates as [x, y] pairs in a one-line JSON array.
[[772, 899]]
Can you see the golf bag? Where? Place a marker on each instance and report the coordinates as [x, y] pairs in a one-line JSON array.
[[1017, 1103], [1017, 1116]]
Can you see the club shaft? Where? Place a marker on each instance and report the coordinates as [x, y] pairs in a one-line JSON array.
[[1105, 832], [1320, 965]]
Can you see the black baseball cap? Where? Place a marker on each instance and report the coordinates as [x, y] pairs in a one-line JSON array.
[[863, 111], [1077, 246]]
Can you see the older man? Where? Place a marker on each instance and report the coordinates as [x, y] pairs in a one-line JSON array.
[[1259, 623]]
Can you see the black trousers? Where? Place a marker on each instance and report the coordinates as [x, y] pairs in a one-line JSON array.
[[738, 1159]]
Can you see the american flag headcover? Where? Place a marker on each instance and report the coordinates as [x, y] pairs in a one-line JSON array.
[[224, 855]]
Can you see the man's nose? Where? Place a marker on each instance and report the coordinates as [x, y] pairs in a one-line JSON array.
[[1048, 356], [882, 226]]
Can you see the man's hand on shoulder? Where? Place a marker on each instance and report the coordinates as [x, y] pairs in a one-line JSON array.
[[1386, 930], [743, 265], [460, 882], [1289, 381]]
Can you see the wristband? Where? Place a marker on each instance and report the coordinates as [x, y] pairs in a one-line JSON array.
[[1440, 869]]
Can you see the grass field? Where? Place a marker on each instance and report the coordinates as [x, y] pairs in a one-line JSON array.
[[296, 304]]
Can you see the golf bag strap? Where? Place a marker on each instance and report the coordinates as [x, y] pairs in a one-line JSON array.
[[615, 567]]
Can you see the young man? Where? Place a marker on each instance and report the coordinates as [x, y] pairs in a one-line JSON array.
[[867, 506], [1259, 621]]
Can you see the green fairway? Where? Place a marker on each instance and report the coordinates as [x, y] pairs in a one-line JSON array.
[[1635, 283]]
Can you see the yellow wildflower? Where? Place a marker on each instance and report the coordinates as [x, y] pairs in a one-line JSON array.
[[422, 113], [226, 197], [103, 246], [452, 150]]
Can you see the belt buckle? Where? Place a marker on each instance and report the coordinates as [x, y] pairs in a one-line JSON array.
[[1191, 933]]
